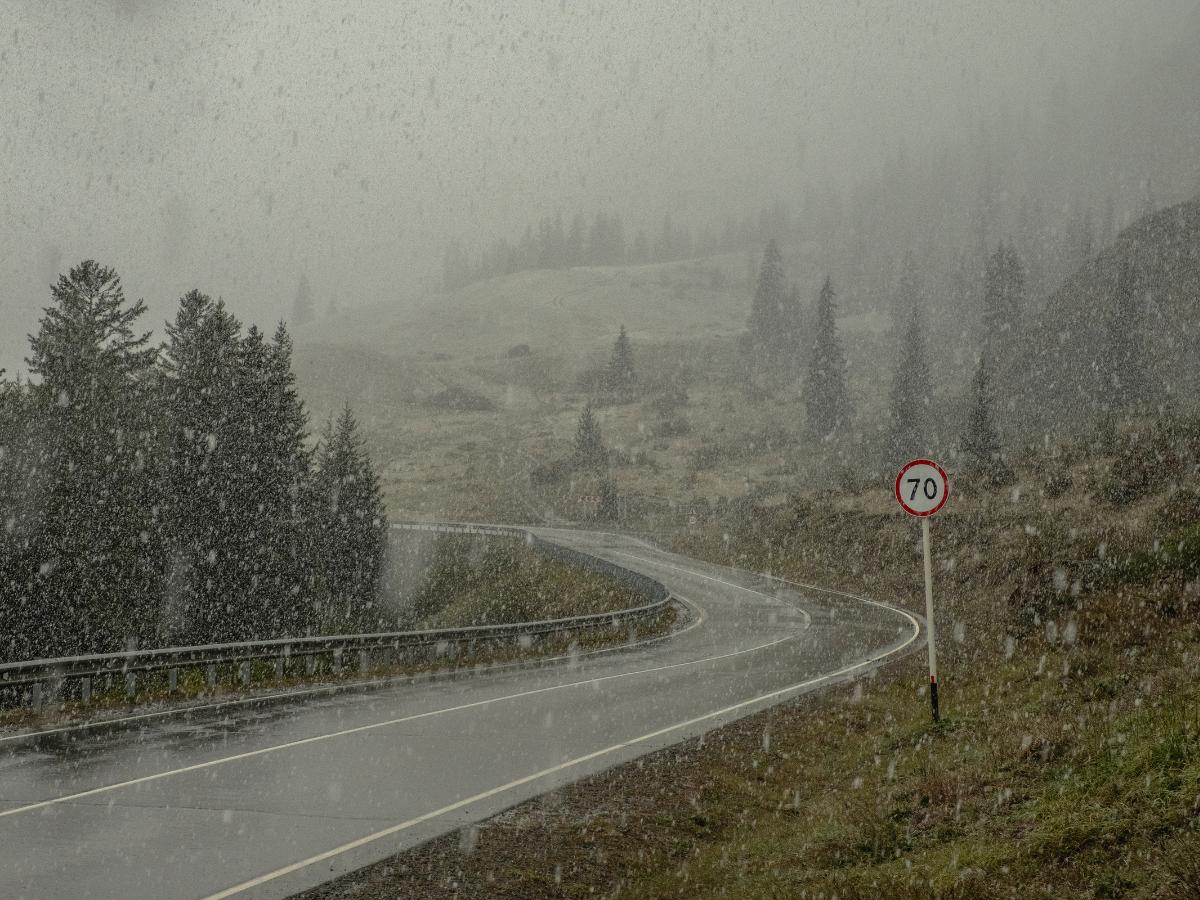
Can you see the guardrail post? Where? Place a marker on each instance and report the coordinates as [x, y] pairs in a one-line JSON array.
[[211, 676], [279, 663], [244, 672], [130, 684], [337, 661], [85, 688], [364, 662], [310, 664], [36, 696], [172, 680]]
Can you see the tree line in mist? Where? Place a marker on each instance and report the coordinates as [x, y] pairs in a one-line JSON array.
[[171, 494], [602, 241], [783, 339]]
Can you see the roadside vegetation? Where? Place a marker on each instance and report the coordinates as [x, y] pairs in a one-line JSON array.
[[469, 580], [157, 495], [463, 580], [1067, 762]]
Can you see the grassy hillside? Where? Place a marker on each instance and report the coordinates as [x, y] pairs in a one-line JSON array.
[[568, 310], [461, 427]]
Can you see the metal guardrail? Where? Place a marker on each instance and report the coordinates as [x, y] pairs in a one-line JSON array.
[[37, 681]]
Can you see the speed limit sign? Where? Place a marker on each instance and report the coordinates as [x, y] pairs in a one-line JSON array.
[[922, 488]]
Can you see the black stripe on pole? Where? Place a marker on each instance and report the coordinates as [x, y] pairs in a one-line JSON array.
[[933, 698]]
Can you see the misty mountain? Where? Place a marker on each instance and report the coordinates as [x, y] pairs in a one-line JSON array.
[[1059, 374]]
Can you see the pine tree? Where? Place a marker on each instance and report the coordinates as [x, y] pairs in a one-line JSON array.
[[909, 290], [616, 241], [575, 241], [527, 252], [250, 568], [620, 377], [598, 242], [789, 340], [20, 488], [767, 316], [640, 252], [589, 444], [204, 428], [96, 539], [912, 396], [1003, 300], [302, 306], [664, 245], [558, 243], [349, 531], [826, 398], [609, 507], [1127, 360], [280, 464], [979, 439], [455, 266]]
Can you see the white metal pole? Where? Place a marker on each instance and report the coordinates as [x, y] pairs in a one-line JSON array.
[[931, 641]]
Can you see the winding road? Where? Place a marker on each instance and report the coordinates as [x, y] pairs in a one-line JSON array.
[[267, 800]]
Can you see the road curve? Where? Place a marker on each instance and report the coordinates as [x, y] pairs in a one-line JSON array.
[[267, 801]]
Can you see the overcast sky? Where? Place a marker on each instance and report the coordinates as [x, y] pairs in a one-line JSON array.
[[231, 145]]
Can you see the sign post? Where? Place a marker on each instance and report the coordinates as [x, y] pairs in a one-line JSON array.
[[921, 489]]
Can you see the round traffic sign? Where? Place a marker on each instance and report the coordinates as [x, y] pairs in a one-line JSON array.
[[922, 487]]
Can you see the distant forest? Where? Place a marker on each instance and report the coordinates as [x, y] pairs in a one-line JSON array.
[[602, 241], [171, 494]]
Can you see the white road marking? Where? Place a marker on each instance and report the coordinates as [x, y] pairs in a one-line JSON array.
[[657, 562], [808, 587], [587, 757], [41, 804]]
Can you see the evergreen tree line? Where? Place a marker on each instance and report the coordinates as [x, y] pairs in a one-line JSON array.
[[603, 241], [155, 495], [781, 338], [590, 456], [776, 340]]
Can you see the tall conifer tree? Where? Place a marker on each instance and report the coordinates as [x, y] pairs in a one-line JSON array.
[[980, 440], [912, 397], [768, 310], [825, 395], [99, 565], [350, 530], [621, 376], [202, 382], [589, 444], [1127, 360]]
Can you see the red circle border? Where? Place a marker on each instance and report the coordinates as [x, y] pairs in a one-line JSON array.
[[945, 480]]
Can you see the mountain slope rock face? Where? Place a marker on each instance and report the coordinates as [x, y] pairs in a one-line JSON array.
[[1148, 279]]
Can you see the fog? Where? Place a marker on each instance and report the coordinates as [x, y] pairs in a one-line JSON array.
[[233, 147]]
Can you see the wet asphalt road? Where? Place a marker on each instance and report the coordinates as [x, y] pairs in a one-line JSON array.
[[267, 801]]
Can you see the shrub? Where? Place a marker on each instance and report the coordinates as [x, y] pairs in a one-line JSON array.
[[670, 400], [1056, 483], [552, 473], [457, 398], [1181, 508], [677, 426], [1143, 465]]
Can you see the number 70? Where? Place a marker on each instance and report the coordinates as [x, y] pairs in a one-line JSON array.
[[927, 486]]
